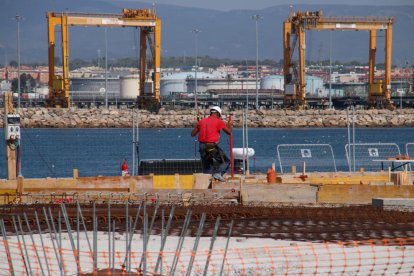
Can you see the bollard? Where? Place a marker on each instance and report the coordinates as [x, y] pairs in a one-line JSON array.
[[293, 169], [75, 173], [20, 185]]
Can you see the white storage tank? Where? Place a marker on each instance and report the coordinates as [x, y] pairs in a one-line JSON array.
[[43, 91], [272, 82], [129, 86], [314, 85], [174, 83]]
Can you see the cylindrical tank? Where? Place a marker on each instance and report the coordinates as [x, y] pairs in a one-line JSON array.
[[272, 82], [173, 83], [42, 91], [239, 153], [129, 86], [314, 85]]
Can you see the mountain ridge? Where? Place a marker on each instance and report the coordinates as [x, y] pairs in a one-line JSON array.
[[224, 34]]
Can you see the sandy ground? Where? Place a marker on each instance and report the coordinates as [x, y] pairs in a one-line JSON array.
[[245, 256]]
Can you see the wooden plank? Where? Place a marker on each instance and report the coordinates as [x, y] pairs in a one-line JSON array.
[[173, 181], [361, 194], [201, 180]]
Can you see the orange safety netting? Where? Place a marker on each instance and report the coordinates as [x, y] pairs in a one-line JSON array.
[[394, 256]]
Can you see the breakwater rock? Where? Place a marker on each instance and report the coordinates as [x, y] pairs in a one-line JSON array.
[[122, 118]]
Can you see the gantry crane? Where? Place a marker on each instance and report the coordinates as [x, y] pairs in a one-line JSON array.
[[150, 30], [294, 35]]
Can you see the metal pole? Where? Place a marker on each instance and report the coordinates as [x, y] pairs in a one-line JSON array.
[[330, 69], [162, 235], [69, 230], [196, 242], [113, 247], [95, 239], [164, 240], [106, 68], [84, 225], [53, 238], [213, 239], [227, 246], [5, 241], [244, 144], [109, 233], [26, 263], [133, 141], [257, 17], [137, 141], [247, 145], [24, 244], [353, 136], [33, 242], [349, 140], [180, 241], [144, 245], [18, 18], [196, 31]]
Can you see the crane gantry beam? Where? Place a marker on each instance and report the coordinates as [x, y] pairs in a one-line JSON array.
[[294, 28], [145, 19]]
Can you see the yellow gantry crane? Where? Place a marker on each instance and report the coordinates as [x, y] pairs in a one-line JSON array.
[[294, 35], [150, 31]]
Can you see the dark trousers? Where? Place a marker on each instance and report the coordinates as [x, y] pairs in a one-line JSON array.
[[213, 159]]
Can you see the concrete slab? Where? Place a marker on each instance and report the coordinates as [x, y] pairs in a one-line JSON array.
[[380, 202], [283, 193]]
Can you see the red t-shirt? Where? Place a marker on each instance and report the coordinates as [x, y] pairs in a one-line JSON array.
[[209, 129]]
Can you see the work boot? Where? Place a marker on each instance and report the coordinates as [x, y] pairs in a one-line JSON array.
[[218, 177]]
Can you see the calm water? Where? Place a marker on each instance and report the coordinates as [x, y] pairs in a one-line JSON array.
[[55, 152]]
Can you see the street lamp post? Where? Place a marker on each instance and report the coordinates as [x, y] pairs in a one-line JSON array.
[[256, 18], [5, 55], [195, 31], [18, 18], [330, 69], [106, 68]]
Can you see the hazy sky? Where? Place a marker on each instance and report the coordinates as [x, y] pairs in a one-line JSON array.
[[225, 5]]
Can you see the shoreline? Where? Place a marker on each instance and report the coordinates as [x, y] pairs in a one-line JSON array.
[[122, 118]]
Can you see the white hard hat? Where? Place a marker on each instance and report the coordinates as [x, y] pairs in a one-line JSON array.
[[215, 109]]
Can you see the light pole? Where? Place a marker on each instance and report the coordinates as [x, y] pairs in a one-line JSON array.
[[5, 54], [256, 18], [330, 69], [106, 67], [99, 58], [195, 31], [18, 18]]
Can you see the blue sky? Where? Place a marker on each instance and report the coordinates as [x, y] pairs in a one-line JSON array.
[[225, 5]]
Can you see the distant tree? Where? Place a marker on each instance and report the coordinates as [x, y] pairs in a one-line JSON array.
[[27, 83], [58, 61], [78, 63], [13, 63]]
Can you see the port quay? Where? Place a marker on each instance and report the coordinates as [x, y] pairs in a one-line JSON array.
[[106, 168]]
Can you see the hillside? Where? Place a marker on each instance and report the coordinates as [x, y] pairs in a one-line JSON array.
[[223, 33]]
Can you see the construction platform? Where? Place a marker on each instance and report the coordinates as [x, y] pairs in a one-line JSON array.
[[312, 188]]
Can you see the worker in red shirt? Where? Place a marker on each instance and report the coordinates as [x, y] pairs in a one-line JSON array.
[[124, 168], [212, 156]]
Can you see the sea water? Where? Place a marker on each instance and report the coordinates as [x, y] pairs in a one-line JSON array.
[[55, 152]]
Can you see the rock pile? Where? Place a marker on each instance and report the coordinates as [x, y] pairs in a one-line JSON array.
[[122, 118]]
